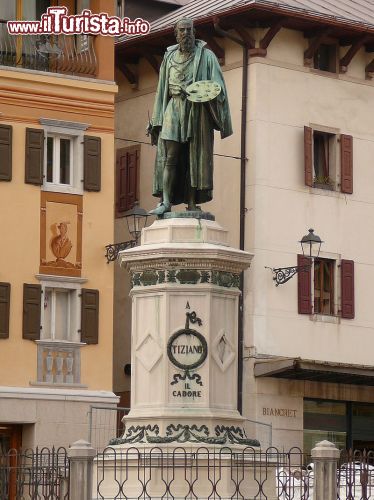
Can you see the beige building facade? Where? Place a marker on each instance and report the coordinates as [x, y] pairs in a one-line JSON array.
[[307, 369], [56, 199]]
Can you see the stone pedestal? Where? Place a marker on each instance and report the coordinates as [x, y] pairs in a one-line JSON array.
[[184, 437], [185, 290]]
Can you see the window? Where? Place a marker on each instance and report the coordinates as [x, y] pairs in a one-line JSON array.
[[62, 156], [60, 314], [60, 160], [127, 179], [59, 309], [323, 159], [324, 286], [325, 57], [326, 166]]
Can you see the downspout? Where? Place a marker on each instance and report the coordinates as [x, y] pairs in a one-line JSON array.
[[243, 161]]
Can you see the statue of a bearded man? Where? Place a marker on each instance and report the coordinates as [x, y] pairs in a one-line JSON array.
[[183, 130]]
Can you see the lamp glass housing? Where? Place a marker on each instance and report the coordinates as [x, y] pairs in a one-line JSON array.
[[136, 219], [311, 244]]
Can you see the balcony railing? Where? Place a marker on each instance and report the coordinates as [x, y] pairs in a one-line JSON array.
[[66, 54], [58, 362]]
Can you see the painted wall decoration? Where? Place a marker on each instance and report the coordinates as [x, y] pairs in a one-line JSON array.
[[61, 234]]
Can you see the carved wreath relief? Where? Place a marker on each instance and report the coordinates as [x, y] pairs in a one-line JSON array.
[[187, 350]]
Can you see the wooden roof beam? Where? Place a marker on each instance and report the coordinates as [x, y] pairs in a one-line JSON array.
[[355, 47], [130, 76], [213, 44], [270, 34], [152, 60], [369, 70], [314, 45]]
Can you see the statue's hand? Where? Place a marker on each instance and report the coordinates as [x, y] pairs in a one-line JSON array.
[[154, 132]]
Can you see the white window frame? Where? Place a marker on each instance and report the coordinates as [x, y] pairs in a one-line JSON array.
[[65, 130], [73, 286]]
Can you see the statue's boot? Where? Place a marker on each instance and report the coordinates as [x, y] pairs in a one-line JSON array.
[[160, 209]]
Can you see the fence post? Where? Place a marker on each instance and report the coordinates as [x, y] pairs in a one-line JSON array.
[[325, 457], [81, 455]]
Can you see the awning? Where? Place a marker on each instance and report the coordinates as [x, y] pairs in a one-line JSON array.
[[316, 371]]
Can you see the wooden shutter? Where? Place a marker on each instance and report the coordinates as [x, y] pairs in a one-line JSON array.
[[31, 311], [92, 163], [127, 179], [304, 286], [4, 310], [346, 154], [90, 316], [348, 289], [34, 156], [5, 153], [308, 156]]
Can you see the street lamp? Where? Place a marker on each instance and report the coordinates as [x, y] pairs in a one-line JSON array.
[[311, 246], [136, 219]]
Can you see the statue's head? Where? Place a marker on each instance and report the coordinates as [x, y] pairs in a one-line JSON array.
[[185, 34]]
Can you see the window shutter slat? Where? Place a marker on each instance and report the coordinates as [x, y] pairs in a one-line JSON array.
[[132, 178], [304, 287], [346, 152], [6, 152], [308, 156], [34, 156], [127, 179], [122, 184], [31, 311], [4, 310], [347, 289], [90, 316], [92, 163]]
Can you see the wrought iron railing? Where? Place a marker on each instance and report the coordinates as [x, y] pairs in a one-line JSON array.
[[42, 473], [183, 474], [204, 473], [69, 54]]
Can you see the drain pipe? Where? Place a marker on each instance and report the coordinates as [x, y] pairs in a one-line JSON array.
[[243, 161]]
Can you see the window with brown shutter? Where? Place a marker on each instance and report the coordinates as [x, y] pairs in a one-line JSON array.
[[90, 316], [5, 152], [320, 160], [346, 152], [323, 286], [31, 311], [34, 156], [347, 289], [308, 156], [127, 178], [304, 288], [92, 163], [4, 310]]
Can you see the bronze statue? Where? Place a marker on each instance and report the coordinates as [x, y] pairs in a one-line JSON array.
[[191, 102]]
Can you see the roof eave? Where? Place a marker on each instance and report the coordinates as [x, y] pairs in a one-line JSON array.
[[276, 9]]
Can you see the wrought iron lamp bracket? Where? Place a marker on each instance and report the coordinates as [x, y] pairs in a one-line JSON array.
[[113, 250], [283, 274]]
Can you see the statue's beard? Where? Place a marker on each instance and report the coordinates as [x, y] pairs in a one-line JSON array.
[[186, 44]]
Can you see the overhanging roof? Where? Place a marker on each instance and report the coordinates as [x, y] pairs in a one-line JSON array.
[[316, 371], [357, 14]]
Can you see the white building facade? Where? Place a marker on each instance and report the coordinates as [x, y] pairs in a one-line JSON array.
[[307, 364]]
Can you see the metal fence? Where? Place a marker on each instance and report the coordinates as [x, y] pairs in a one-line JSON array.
[[204, 473], [183, 473], [40, 474], [104, 424]]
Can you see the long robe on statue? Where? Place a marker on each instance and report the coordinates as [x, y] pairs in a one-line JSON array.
[[195, 166]]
